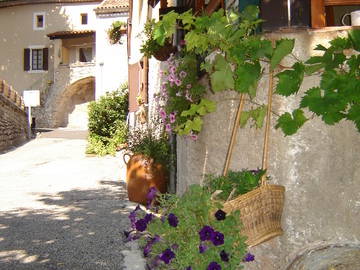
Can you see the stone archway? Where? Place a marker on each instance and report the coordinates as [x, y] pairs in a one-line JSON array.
[[71, 106]]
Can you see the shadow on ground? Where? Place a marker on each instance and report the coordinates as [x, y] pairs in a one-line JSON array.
[[82, 230]]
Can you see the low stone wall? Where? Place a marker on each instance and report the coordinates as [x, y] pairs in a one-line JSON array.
[[13, 118]]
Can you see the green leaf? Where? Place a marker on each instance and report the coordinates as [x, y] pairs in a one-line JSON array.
[[197, 124], [222, 78], [354, 37], [311, 100], [245, 115], [320, 47], [192, 111], [354, 115], [290, 124], [315, 60], [247, 75], [290, 80], [259, 115], [208, 104], [283, 48], [339, 44], [309, 70]]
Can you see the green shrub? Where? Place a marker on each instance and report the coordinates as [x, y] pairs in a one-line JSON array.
[[107, 122]]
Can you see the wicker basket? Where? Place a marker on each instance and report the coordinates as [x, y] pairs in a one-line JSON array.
[[260, 212]]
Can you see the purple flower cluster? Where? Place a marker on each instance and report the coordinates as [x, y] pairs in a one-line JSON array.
[[207, 233], [167, 255], [173, 220]]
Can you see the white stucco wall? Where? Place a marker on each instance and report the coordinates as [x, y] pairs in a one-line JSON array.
[[111, 59]]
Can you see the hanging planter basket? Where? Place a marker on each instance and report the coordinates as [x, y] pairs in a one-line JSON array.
[[260, 212], [164, 52], [260, 209]]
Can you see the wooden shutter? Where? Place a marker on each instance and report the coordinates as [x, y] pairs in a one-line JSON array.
[[45, 58], [26, 59]]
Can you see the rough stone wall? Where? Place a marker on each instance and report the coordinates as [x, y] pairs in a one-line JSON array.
[[319, 167], [13, 119]]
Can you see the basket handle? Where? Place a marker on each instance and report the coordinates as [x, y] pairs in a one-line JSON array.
[[126, 161], [233, 134], [265, 158]]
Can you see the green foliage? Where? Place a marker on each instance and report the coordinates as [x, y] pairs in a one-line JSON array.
[[256, 115], [194, 210], [338, 95], [222, 77], [149, 143], [181, 102], [289, 124], [107, 122], [234, 183], [114, 32], [283, 48], [150, 45]]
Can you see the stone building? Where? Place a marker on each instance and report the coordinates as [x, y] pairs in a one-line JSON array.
[[319, 166], [62, 49]]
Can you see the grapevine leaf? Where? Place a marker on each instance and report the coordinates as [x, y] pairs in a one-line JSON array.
[[283, 48], [259, 116], [196, 124], [320, 47], [290, 124], [187, 19], [354, 37], [354, 64], [339, 44], [309, 70], [329, 80], [222, 78], [290, 80], [354, 115], [208, 104], [331, 118], [245, 115], [315, 60], [247, 75], [311, 100], [192, 111]]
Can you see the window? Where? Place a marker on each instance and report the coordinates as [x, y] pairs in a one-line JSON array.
[[85, 54], [84, 18], [39, 21], [36, 59]]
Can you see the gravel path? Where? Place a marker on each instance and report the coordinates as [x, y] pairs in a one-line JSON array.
[[60, 209]]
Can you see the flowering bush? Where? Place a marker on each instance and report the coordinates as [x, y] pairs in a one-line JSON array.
[[181, 102], [190, 232]]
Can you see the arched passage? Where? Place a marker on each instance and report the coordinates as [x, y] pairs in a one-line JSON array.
[[71, 106]]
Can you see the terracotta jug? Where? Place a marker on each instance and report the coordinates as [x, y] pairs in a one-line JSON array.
[[141, 175]]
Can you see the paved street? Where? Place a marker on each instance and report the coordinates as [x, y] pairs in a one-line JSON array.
[[61, 209]]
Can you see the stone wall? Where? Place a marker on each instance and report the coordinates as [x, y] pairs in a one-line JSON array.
[[319, 167], [13, 119]]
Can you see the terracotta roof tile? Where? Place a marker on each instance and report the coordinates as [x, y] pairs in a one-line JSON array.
[[70, 34], [110, 6]]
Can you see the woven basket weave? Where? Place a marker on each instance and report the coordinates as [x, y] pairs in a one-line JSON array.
[[260, 212]]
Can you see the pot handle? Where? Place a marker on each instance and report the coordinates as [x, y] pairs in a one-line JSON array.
[[126, 161], [343, 19]]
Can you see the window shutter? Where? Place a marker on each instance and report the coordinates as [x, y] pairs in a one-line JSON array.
[[45, 58], [26, 59]]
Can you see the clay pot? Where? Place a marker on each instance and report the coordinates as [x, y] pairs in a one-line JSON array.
[[141, 175]]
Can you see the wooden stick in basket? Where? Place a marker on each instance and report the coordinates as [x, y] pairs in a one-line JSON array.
[[265, 158], [233, 134]]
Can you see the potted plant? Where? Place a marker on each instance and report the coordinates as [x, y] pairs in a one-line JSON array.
[[116, 30], [161, 50], [148, 163], [189, 232]]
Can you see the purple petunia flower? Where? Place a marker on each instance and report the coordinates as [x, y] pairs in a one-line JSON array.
[[149, 244], [213, 266], [148, 217], [220, 215], [174, 246], [202, 248], [173, 220], [141, 225], [182, 74], [151, 196], [167, 256], [172, 117], [132, 216], [188, 86], [188, 268], [206, 233], [249, 257], [172, 69], [224, 256], [217, 238]]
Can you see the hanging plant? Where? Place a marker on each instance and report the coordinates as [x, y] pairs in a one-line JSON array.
[[115, 32]]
